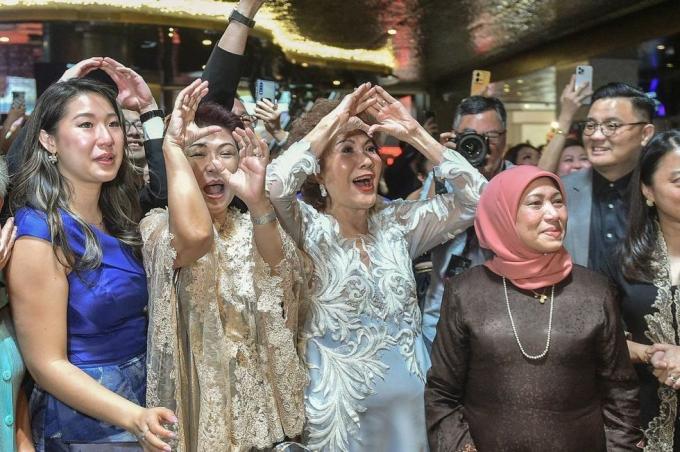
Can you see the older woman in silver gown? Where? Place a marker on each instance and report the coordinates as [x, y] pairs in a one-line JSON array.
[[361, 331]]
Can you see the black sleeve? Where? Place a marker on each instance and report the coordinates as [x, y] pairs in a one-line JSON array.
[[155, 193], [222, 71]]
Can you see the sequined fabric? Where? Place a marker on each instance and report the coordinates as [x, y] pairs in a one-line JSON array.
[[662, 330], [481, 391], [222, 339]]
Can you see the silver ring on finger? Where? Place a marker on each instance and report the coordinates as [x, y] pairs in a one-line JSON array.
[[142, 436], [674, 378]]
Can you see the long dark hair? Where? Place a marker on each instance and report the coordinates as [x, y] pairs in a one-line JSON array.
[[40, 185], [640, 242]]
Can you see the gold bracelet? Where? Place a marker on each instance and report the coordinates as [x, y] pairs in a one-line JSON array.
[[269, 217]]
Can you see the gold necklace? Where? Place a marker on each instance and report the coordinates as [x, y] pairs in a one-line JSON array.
[[541, 297]]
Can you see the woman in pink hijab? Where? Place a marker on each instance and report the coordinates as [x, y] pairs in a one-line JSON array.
[[530, 354]]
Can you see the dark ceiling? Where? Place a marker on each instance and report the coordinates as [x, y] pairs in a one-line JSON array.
[[439, 39]]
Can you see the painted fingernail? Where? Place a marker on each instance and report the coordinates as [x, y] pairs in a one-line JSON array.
[[174, 419]]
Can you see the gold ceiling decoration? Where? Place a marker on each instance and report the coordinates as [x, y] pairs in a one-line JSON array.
[[201, 13]]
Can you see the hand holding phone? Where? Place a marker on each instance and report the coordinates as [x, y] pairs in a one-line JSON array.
[[584, 75], [265, 89], [18, 100]]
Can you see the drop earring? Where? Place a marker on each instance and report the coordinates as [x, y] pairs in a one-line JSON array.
[[324, 193], [649, 203], [52, 158]]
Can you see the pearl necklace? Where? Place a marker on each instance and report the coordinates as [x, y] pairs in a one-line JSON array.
[[514, 328]]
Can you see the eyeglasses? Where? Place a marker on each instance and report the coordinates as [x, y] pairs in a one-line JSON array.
[[136, 124], [608, 128], [493, 136], [252, 119]]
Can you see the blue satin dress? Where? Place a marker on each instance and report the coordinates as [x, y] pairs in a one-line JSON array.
[[106, 326]]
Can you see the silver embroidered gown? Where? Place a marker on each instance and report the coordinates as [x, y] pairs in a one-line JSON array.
[[361, 334]]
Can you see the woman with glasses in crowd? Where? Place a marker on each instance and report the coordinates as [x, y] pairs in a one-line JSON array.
[[647, 273], [76, 282], [529, 352], [224, 289], [361, 334]]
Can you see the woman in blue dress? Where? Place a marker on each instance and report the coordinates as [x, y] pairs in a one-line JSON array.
[[76, 282]]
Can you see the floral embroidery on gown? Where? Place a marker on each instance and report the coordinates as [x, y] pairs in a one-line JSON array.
[[222, 339], [361, 326]]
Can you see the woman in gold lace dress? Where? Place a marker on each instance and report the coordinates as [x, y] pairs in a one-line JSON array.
[[223, 289]]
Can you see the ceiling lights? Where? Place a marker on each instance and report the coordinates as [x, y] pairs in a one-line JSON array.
[[183, 12]]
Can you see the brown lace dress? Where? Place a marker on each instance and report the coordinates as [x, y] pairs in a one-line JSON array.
[[222, 339]]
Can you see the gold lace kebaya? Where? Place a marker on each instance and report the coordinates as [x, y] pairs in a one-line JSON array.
[[222, 339]]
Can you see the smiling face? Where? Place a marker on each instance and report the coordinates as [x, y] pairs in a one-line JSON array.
[[135, 137], [616, 154], [573, 158], [219, 146], [88, 140], [542, 216], [351, 171]]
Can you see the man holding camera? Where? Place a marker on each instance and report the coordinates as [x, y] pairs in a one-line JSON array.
[[479, 133]]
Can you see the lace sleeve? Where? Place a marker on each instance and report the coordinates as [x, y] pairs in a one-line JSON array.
[[285, 176], [162, 335], [431, 222], [278, 296]]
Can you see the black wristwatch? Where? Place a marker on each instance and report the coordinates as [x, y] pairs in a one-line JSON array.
[[238, 17], [151, 114]]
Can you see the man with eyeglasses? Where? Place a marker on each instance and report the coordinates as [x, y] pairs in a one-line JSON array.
[[484, 116], [618, 125], [134, 132]]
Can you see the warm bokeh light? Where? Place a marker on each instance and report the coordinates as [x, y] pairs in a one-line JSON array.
[[181, 12]]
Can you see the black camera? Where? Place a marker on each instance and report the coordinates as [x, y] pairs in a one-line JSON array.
[[473, 147]]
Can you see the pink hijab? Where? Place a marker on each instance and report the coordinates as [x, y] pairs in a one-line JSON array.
[[496, 229]]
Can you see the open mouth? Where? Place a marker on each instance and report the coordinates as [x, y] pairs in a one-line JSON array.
[[364, 183], [106, 159], [214, 190]]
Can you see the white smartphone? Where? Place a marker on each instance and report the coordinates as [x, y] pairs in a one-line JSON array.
[[584, 74], [265, 89], [480, 80]]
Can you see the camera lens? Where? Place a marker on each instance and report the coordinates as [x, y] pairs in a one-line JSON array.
[[473, 147]]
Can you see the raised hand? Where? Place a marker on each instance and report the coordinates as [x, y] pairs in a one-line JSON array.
[[248, 181], [182, 130], [572, 98], [270, 114], [249, 7], [133, 92], [82, 68], [343, 118], [392, 117]]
